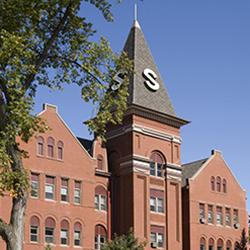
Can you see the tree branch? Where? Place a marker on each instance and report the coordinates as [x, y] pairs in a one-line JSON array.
[[4, 230], [48, 45]]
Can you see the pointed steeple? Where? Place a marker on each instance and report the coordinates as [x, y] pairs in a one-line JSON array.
[[146, 88]]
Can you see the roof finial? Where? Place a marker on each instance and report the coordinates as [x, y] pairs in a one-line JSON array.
[[136, 12]]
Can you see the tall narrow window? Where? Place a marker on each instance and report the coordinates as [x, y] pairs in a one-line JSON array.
[[210, 215], [64, 235], [156, 164], [219, 244], [202, 213], [211, 244], [60, 150], [202, 244], [100, 162], [235, 218], [64, 190], [40, 146], [228, 217], [34, 185], [156, 201], [34, 229], [219, 216], [49, 230], [100, 237], [51, 143], [218, 184], [100, 198], [224, 185], [229, 245], [212, 183], [77, 234], [77, 192], [50, 188], [157, 236]]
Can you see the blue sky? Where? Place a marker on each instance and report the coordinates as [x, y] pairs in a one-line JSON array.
[[202, 49]]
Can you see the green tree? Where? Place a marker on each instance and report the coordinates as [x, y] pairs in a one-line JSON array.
[[124, 242], [242, 245], [48, 43]]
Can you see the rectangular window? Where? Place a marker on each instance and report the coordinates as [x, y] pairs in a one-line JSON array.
[[152, 168], [77, 238], [202, 211], [159, 170], [210, 215], [77, 192], [157, 239], [64, 190], [236, 217], [49, 235], [50, 188], [34, 185], [153, 204], [228, 216], [64, 237], [100, 202], [156, 201], [219, 219], [33, 233]]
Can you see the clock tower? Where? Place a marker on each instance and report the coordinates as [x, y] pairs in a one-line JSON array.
[[144, 156]]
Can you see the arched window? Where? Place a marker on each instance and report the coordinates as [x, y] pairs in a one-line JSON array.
[[40, 145], [100, 162], [211, 244], [224, 185], [50, 225], [64, 235], [77, 234], [218, 184], [100, 236], [219, 244], [236, 245], [212, 183], [51, 143], [156, 164], [100, 198], [34, 229], [202, 244], [229, 245], [60, 150]]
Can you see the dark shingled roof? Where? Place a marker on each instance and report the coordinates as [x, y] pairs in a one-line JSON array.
[[138, 51], [87, 144], [190, 169]]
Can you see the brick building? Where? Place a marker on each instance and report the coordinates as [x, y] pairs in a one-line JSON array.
[[82, 192]]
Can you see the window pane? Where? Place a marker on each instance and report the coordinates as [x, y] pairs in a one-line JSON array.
[[34, 234], [49, 235], [97, 201], [49, 191], [152, 168], [103, 203], [64, 237], [160, 240], [77, 196], [77, 236], [153, 237], [152, 204], [160, 205], [159, 167]]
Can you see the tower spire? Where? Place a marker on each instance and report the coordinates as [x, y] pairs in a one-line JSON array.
[[135, 12]]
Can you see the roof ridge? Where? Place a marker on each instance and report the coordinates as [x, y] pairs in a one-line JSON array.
[[189, 163]]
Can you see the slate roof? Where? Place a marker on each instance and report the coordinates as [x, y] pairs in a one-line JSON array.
[[87, 144], [138, 51], [190, 169]]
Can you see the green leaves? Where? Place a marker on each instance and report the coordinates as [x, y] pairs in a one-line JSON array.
[[124, 242]]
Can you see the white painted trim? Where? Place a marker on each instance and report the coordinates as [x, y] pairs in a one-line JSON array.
[[146, 131]]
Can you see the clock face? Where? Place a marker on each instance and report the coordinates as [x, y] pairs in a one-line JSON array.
[[150, 79]]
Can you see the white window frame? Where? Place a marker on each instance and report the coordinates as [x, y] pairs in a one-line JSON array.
[[34, 234], [53, 191], [64, 235], [49, 236], [34, 188], [156, 168], [156, 206], [99, 204], [78, 233], [98, 243], [66, 194], [157, 236]]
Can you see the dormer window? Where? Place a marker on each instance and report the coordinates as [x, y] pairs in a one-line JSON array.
[[156, 164], [60, 150], [40, 145], [51, 143]]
